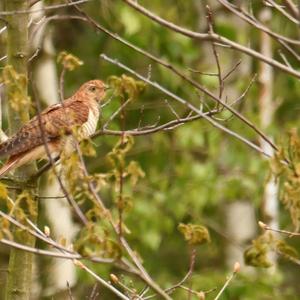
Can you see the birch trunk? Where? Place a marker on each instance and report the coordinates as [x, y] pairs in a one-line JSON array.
[[266, 111], [20, 262], [57, 210]]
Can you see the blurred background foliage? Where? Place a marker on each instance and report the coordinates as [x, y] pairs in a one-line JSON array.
[[192, 173]]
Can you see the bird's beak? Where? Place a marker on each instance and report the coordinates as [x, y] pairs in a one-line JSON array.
[[107, 87]]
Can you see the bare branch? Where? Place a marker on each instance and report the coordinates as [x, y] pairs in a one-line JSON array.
[[246, 90], [39, 251], [292, 7], [64, 255], [227, 75], [142, 272], [216, 54], [69, 291], [289, 233], [45, 8], [244, 16], [102, 281], [3, 29], [232, 275], [177, 72], [3, 58], [187, 104], [283, 12], [188, 274], [172, 110], [212, 37], [153, 129], [116, 113]]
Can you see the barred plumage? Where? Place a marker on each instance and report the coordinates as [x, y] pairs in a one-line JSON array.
[[82, 109]]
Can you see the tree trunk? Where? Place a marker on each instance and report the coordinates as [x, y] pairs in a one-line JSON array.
[[20, 262], [267, 108], [58, 211]]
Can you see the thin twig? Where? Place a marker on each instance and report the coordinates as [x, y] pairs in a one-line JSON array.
[[69, 291], [212, 37], [177, 72], [123, 105], [142, 272], [231, 70], [39, 251], [3, 29], [3, 58], [284, 12], [45, 8], [172, 110], [99, 279], [94, 294], [153, 128], [292, 7], [187, 104], [289, 233], [215, 53], [188, 274], [246, 91], [232, 275], [254, 22]]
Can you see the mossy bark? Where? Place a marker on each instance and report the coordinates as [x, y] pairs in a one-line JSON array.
[[20, 262]]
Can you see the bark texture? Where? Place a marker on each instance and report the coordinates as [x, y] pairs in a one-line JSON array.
[[62, 225], [267, 107], [20, 262]]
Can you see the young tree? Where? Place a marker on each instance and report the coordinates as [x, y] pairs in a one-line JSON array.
[[16, 80], [186, 132]]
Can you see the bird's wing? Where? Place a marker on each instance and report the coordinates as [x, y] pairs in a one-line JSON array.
[[56, 120]]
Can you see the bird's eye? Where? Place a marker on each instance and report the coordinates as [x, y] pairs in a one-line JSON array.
[[92, 88]]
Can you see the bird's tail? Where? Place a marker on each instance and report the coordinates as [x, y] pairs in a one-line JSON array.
[[11, 164]]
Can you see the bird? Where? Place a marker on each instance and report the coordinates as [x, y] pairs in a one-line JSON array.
[[54, 126]]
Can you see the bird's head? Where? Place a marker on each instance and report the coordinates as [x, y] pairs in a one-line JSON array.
[[94, 90]]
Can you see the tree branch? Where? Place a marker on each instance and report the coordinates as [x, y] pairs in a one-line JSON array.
[[212, 37], [187, 104]]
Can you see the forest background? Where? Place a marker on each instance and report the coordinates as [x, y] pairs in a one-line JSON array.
[[197, 181]]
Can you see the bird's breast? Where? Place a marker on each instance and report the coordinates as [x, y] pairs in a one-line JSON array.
[[89, 127]]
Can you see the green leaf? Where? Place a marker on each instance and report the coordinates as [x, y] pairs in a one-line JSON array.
[[135, 172], [126, 87], [257, 254], [194, 234], [69, 61], [285, 249]]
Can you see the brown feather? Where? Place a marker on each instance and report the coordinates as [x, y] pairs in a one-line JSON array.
[[54, 121], [79, 110]]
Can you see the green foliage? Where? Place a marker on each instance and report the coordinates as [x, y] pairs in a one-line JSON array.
[[194, 234], [17, 91], [69, 61], [25, 205], [257, 254], [286, 250], [135, 172], [3, 191], [126, 86], [95, 241], [290, 173], [173, 180], [87, 148]]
